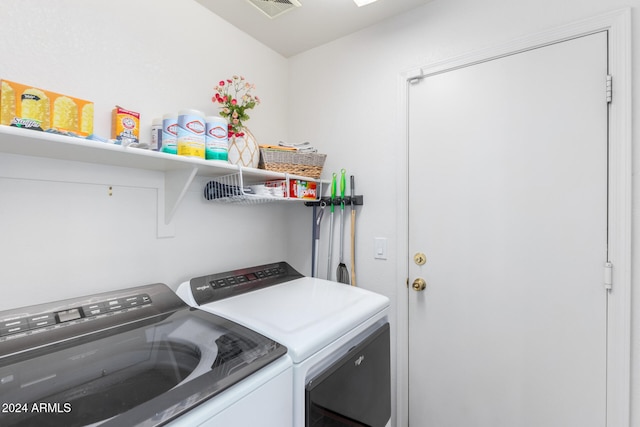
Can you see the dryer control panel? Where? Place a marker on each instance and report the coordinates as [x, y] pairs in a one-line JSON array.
[[214, 287]]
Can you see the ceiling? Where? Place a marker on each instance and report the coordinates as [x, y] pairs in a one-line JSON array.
[[313, 24]]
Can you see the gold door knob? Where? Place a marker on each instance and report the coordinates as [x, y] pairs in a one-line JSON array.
[[419, 284]]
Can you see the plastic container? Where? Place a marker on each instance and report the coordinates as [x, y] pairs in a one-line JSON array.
[[217, 138], [156, 134], [191, 133], [169, 133]]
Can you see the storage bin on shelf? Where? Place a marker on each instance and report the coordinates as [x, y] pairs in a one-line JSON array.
[[231, 189], [303, 164], [234, 188]]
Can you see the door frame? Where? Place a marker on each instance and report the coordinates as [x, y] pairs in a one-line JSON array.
[[618, 25]]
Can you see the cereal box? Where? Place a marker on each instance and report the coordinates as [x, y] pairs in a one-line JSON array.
[[33, 108]]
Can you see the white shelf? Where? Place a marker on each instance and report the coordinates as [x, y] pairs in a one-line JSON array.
[[179, 172], [42, 144]]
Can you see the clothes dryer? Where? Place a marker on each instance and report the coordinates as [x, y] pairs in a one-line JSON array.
[[336, 335]]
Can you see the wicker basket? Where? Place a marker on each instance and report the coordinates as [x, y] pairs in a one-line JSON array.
[[303, 164]]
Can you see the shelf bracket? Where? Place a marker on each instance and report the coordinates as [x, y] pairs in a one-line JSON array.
[[176, 184]]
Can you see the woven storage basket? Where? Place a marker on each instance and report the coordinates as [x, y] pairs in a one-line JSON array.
[[303, 164]]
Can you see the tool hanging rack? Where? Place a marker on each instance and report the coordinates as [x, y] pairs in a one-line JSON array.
[[358, 200], [353, 200]]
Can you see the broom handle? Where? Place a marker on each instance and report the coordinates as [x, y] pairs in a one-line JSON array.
[[353, 234], [342, 188], [353, 246], [333, 196]]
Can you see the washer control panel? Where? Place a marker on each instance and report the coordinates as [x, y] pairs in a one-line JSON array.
[[35, 326], [15, 325], [214, 287]]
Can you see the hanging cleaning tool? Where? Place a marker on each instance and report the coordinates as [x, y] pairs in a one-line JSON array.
[[317, 219], [313, 240], [353, 232], [333, 198], [342, 273]]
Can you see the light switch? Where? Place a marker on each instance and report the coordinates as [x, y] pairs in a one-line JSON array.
[[380, 248]]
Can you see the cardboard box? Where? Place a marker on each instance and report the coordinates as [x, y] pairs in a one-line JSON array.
[[33, 108], [299, 189], [125, 124]]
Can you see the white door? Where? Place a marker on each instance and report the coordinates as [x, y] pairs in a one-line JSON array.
[[508, 201]]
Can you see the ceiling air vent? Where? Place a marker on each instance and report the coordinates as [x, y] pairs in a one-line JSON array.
[[273, 8]]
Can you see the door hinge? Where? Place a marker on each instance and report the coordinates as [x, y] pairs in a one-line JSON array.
[[416, 76], [608, 276], [609, 88]]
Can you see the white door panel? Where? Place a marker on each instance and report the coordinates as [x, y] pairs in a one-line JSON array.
[[508, 200]]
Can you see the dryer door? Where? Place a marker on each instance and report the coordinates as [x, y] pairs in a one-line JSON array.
[[356, 389]]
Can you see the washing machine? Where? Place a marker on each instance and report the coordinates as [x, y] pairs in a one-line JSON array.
[[336, 335], [138, 357]]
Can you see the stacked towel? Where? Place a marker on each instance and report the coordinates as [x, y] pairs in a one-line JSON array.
[[302, 147]]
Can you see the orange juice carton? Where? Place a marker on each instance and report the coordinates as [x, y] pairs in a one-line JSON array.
[[125, 125], [33, 108]]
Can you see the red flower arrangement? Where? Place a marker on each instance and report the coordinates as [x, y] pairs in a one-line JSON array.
[[235, 98]]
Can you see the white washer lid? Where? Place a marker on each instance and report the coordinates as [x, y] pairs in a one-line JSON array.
[[305, 314]]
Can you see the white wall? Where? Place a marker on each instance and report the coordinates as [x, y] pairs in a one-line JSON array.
[[61, 237], [345, 96]]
